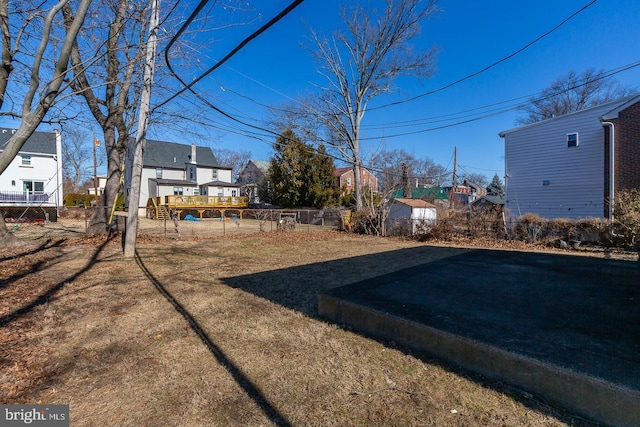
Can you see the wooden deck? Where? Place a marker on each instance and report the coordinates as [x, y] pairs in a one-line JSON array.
[[161, 207]]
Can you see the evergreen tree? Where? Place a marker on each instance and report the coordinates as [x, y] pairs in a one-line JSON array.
[[299, 175], [495, 188]]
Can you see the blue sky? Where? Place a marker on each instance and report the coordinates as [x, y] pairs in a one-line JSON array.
[[275, 68]]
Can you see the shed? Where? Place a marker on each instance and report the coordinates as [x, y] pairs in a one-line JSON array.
[[409, 216]]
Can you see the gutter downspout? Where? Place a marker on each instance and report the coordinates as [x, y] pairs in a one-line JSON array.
[[612, 146]]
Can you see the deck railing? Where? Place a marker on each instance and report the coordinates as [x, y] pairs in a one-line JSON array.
[[25, 197], [194, 202]]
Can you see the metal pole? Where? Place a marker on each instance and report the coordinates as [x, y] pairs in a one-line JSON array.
[[95, 143], [141, 136]]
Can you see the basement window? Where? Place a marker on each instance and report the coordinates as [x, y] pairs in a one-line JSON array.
[[572, 140]]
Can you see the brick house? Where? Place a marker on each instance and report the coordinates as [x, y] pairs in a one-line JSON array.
[[345, 180], [563, 168], [623, 134]]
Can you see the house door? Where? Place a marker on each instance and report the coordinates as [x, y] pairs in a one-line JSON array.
[[27, 187], [32, 187]]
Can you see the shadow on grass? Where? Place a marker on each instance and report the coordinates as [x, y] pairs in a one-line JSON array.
[[46, 296], [34, 268], [535, 304], [241, 379]]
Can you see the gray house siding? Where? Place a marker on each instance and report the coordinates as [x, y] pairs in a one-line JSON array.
[[546, 177]]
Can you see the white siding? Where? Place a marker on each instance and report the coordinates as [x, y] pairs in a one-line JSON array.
[[224, 175], [43, 168], [405, 219], [538, 154]]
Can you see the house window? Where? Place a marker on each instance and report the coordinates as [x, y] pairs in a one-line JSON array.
[[233, 193], [159, 173], [348, 181], [572, 139], [26, 160], [196, 191], [214, 174], [33, 187], [177, 191]]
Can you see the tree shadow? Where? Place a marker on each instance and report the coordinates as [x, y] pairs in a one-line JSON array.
[[46, 296], [46, 245], [558, 299], [33, 268], [241, 379]]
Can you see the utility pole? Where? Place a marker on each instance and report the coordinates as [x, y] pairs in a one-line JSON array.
[[141, 136], [454, 178], [95, 143]]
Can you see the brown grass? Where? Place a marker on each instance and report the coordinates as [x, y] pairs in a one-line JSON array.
[[223, 331]]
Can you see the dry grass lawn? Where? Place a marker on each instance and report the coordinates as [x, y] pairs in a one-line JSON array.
[[223, 331]]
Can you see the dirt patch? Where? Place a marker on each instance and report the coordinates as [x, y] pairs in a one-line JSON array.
[[223, 331]]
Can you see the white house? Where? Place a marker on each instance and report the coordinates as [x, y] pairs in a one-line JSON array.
[[34, 177], [409, 216], [170, 168], [562, 167]]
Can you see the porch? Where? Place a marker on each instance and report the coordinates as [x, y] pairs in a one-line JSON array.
[[26, 197], [160, 207]]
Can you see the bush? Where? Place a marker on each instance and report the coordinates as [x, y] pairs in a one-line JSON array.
[[529, 228], [626, 213], [76, 199]]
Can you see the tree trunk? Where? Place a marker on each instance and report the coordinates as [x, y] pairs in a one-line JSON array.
[[100, 217], [141, 137], [357, 187], [6, 238]]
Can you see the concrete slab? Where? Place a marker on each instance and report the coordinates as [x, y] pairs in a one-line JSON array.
[[563, 327]]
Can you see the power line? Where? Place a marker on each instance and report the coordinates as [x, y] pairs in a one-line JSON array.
[[228, 56], [511, 55]]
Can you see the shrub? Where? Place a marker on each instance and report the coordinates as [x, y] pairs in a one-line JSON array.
[[529, 227], [626, 213], [77, 199]]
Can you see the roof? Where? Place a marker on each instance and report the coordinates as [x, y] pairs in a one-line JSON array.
[[162, 154], [342, 171], [611, 111], [38, 142], [496, 200], [262, 165], [414, 203], [174, 182], [423, 193], [613, 114], [221, 184]]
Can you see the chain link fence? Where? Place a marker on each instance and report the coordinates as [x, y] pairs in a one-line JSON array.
[[42, 223]]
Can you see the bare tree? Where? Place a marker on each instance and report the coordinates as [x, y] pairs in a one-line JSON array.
[[573, 92], [387, 166], [45, 85], [475, 178], [77, 158], [107, 86], [112, 86], [361, 63], [234, 159]]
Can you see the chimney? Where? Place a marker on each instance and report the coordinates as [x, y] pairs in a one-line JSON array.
[[193, 153]]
